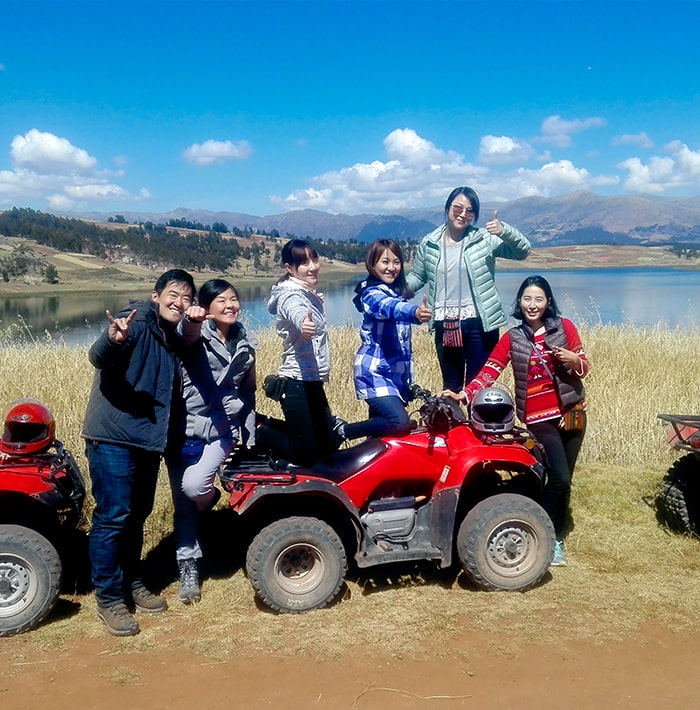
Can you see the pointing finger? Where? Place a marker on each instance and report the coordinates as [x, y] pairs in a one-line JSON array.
[[495, 215], [425, 301]]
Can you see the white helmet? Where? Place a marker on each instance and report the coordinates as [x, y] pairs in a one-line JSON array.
[[492, 411]]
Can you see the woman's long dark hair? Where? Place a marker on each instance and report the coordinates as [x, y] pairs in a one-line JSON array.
[[541, 282], [375, 253], [470, 194]]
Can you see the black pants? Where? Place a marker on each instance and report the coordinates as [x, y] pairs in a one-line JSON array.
[[305, 435], [459, 366], [561, 451]]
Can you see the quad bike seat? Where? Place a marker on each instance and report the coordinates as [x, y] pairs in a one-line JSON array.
[[345, 462]]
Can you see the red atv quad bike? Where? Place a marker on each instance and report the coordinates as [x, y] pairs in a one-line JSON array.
[[448, 487], [41, 498], [678, 503]]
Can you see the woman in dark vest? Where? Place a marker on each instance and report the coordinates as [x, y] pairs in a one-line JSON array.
[[549, 364]]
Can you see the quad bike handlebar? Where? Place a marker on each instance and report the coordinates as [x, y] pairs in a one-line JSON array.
[[437, 413]]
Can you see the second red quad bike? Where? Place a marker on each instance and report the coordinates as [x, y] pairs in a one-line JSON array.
[[678, 502], [448, 488], [41, 498]]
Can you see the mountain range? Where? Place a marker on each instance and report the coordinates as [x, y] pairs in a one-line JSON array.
[[577, 218]]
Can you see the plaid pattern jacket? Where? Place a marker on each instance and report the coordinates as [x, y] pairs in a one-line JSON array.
[[383, 365]]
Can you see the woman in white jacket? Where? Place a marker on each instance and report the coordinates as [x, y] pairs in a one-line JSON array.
[[218, 399]]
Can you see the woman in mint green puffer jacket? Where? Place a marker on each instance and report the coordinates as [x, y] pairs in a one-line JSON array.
[[457, 261]]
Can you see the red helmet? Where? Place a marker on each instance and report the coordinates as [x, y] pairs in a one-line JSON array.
[[29, 427]]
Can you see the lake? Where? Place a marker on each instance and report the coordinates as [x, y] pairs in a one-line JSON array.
[[640, 297]]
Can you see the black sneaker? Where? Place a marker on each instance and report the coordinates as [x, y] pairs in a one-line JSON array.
[[189, 581], [118, 619], [338, 432], [147, 601]]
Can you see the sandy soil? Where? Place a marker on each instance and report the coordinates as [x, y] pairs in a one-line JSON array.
[[651, 668]]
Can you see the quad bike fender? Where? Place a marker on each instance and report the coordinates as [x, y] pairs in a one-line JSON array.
[[442, 522], [245, 501], [501, 457], [30, 485]]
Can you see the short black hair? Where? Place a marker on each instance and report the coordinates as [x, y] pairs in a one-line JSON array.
[[179, 276]]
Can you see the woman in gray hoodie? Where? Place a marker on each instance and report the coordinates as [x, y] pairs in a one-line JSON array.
[[306, 434]]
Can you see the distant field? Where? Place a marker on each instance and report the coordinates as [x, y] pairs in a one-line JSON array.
[[85, 273]]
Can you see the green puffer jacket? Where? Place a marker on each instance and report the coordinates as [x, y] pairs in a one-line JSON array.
[[480, 252]]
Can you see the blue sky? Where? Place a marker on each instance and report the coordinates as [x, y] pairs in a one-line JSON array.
[[343, 106]]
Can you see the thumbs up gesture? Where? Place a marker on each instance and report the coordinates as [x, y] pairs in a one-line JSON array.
[[423, 314], [308, 327], [494, 226]]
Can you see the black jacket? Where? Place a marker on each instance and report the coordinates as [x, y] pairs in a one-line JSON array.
[[132, 391]]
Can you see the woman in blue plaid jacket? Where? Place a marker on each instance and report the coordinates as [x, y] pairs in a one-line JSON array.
[[383, 366]]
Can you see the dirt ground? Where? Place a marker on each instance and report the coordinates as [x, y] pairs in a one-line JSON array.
[[651, 668]]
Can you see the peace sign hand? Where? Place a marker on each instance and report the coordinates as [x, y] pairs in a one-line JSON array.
[[118, 329]]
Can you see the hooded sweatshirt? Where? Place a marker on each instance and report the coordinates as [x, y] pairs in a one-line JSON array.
[[302, 358]]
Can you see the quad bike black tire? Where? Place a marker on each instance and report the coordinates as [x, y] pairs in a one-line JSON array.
[[678, 503], [30, 578], [296, 564], [506, 543]]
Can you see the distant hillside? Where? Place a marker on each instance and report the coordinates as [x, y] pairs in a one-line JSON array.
[[578, 218]]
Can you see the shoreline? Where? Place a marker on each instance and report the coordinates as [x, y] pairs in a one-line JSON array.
[[85, 274]]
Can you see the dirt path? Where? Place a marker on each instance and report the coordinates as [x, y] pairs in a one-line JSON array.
[[651, 668]]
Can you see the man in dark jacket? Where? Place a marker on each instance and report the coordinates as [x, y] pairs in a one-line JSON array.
[[126, 429]]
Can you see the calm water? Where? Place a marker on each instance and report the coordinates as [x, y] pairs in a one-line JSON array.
[[640, 297]]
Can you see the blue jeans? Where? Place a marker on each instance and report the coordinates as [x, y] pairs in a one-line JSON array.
[[123, 485], [459, 366], [387, 417]]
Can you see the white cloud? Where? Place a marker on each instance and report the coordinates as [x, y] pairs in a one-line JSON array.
[[211, 152], [504, 150], [680, 169], [639, 139], [420, 173], [47, 153], [49, 168], [557, 131]]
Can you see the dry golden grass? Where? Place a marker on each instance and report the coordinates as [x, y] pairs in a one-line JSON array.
[[626, 571]]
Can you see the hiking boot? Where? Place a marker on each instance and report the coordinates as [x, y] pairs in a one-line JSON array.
[[147, 601], [118, 619], [189, 581], [559, 559]]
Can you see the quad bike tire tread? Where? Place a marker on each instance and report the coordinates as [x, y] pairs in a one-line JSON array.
[[678, 502], [506, 543], [296, 564], [30, 578]]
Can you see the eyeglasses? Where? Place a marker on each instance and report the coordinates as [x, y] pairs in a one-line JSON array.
[[459, 209]]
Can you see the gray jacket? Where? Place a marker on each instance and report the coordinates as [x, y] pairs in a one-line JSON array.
[[480, 250], [302, 359], [218, 383]]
